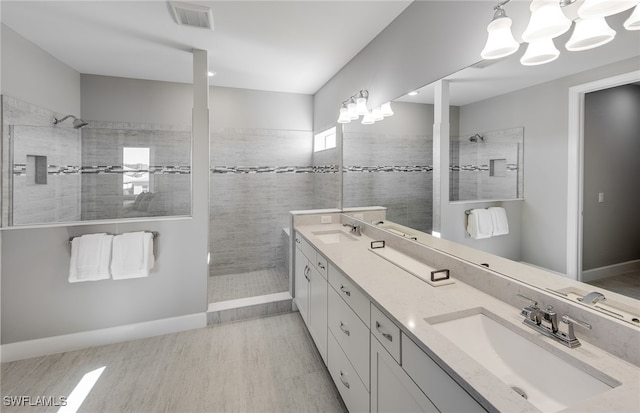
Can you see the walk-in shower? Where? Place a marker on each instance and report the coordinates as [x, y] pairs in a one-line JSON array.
[[77, 122]]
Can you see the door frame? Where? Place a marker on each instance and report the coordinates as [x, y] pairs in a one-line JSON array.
[[575, 165]]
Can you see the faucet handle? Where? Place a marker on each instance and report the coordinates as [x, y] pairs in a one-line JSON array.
[[568, 320], [534, 303]]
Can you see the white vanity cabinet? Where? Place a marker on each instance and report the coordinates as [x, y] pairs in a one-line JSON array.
[[392, 390], [311, 292], [349, 341]]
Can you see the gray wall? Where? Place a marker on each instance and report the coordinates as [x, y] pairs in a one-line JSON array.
[[37, 300], [543, 112], [261, 168], [611, 229]]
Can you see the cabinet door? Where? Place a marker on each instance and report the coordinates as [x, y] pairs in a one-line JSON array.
[[392, 390], [301, 289], [318, 311]]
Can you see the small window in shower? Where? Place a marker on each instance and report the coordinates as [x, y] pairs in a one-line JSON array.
[[135, 176], [325, 140]]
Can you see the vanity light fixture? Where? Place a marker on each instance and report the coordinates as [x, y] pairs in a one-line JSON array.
[[604, 8], [552, 18], [356, 106], [633, 22], [540, 52], [590, 33], [500, 41]]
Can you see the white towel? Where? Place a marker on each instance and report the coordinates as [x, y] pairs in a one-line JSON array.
[[90, 256], [479, 224], [132, 255], [499, 219]]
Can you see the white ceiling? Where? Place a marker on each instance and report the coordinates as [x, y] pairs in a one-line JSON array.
[[285, 46]]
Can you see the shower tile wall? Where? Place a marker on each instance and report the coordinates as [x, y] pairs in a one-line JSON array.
[[257, 177], [470, 177], [394, 171], [102, 169], [57, 197]]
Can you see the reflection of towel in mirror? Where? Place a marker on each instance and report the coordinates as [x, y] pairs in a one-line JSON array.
[[479, 224], [499, 219], [90, 256], [132, 255]]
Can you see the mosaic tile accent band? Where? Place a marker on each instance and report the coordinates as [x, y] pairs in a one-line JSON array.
[[402, 168], [479, 168], [274, 169], [21, 170]]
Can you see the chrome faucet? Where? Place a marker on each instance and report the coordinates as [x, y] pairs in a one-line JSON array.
[[546, 322], [593, 298], [355, 229]]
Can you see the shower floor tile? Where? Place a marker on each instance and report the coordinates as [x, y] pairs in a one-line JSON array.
[[248, 284]]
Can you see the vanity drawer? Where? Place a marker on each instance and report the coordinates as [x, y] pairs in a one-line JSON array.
[[387, 333], [351, 334], [444, 392], [306, 248], [322, 265], [352, 390], [351, 294]]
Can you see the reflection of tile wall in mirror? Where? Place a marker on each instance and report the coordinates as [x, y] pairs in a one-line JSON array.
[[487, 168]]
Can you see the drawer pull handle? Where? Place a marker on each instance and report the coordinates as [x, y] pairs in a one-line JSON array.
[[385, 335], [347, 292], [306, 272], [344, 330], [321, 266], [346, 383]]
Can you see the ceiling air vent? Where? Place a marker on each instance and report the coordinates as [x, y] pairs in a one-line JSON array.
[[193, 15]]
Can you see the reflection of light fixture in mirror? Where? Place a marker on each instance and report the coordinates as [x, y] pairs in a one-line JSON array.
[[590, 33], [500, 41], [604, 8], [351, 107], [361, 103], [211, 74], [344, 114], [540, 52], [547, 21], [633, 22], [413, 93], [386, 109], [377, 114], [368, 119]]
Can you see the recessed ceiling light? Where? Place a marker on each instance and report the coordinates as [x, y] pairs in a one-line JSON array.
[[413, 93]]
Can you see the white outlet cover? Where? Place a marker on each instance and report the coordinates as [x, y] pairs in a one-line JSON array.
[[325, 219]]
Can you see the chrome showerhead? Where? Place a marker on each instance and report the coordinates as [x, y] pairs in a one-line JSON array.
[[476, 138], [77, 122]]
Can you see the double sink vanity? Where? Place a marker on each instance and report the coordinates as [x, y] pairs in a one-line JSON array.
[[404, 327]]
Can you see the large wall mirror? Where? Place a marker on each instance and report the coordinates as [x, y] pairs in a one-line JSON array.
[[509, 147]]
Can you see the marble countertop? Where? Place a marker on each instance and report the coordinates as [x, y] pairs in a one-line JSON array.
[[409, 300]]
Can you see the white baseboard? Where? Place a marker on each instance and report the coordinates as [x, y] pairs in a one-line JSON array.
[[610, 270], [75, 341]]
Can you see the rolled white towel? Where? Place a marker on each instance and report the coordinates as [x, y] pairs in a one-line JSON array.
[[479, 224], [90, 256], [132, 255], [500, 221]]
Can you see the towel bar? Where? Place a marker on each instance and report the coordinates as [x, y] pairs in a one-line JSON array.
[[155, 235]]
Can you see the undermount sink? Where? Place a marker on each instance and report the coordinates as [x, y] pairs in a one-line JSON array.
[[333, 236], [547, 381]]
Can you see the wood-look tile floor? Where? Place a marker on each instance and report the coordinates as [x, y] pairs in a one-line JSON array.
[[625, 284], [248, 284], [261, 365]]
